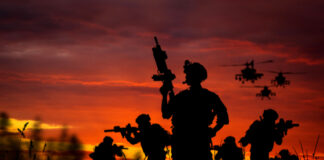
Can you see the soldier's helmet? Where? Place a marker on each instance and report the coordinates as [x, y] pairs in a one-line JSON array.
[[229, 140], [197, 70], [270, 114], [284, 153], [143, 118], [108, 140]]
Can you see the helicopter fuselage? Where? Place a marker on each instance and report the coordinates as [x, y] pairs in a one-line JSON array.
[[265, 93], [280, 80], [248, 74]]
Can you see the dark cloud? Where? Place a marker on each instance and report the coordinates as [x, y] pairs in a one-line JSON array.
[[296, 25]]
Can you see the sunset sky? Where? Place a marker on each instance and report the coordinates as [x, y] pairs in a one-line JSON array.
[[88, 64]]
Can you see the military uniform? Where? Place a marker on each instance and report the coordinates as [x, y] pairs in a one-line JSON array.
[[193, 111]]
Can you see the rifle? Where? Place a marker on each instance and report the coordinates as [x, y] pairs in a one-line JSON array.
[[283, 126], [120, 147], [122, 130], [117, 150], [164, 74]]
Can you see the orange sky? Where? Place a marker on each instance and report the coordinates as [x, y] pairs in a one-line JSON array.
[[90, 65]]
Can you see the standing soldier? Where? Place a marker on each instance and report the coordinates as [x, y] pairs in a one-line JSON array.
[[229, 150], [107, 150], [153, 137], [263, 133], [193, 112]]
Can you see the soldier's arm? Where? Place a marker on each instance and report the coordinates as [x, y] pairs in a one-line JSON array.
[[221, 112], [132, 139], [117, 150], [163, 135], [166, 107], [278, 137], [250, 133]]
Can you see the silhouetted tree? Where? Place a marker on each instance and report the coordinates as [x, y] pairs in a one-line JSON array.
[[36, 137], [63, 139], [75, 148], [10, 143], [4, 121]]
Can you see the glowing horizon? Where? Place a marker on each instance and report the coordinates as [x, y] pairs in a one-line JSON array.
[[88, 64]]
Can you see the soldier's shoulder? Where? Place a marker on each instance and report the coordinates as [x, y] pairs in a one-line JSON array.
[[157, 128], [256, 123], [209, 93], [155, 125], [183, 93]]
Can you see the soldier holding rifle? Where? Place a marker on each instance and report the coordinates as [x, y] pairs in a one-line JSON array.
[[263, 133], [153, 137], [193, 110], [106, 150]]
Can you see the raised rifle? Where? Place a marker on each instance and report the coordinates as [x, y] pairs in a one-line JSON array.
[[164, 74], [283, 126]]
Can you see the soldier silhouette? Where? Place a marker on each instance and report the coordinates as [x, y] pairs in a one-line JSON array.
[[263, 133], [285, 155], [193, 112], [153, 137], [229, 150], [107, 150]]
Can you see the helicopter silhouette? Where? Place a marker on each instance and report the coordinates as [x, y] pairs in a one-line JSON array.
[[265, 92], [249, 73], [280, 80]]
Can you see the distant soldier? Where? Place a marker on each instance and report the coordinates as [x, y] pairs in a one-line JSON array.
[[263, 133], [153, 137], [107, 150], [193, 112], [285, 155], [229, 150]]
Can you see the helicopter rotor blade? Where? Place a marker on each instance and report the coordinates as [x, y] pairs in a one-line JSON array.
[[257, 86], [231, 65], [293, 72], [268, 61], [247, 87], [272, 71]]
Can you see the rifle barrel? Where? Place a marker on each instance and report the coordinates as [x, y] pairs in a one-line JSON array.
[[109, 130], [156, 40]]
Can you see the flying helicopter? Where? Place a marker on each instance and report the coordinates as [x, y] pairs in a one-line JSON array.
[[265, 92], [249, 73], [280, 79]]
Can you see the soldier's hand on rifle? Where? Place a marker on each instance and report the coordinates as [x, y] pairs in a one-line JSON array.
[[128, 127], [164, 90]]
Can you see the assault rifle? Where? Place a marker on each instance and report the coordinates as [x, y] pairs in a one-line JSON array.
[[164, 74], [283, 126], [98, 151], [122, 130]]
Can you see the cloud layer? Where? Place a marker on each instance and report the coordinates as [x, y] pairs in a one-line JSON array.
[[88, 63]]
